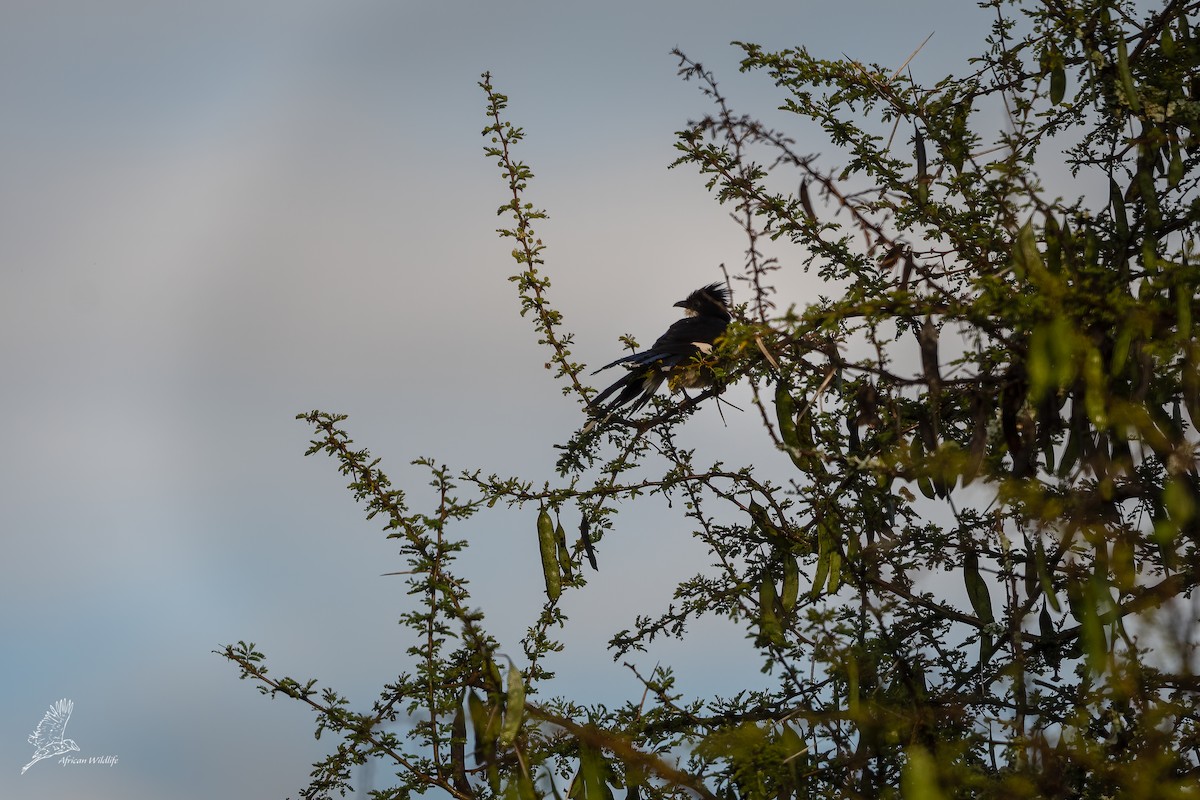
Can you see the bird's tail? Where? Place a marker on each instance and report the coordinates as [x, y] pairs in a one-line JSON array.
[[636, 387]]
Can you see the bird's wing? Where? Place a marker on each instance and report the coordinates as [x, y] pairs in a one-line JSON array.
[[678, 343], [682, 337], [621, 360], [51, 728]]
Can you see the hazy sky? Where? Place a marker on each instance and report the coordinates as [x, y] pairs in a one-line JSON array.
[[216, 215]]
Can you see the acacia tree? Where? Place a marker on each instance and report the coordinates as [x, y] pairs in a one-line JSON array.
[[978, 581]]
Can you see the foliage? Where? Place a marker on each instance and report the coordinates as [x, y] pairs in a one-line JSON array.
[[978, 579]]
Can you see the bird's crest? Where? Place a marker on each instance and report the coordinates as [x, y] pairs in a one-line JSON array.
[[711, 300], [716, 291]]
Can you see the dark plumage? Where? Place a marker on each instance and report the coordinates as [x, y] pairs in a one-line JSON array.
[[673, 356]]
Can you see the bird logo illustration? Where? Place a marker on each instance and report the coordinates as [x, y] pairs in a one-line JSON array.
[[48, 737], [672, 358]]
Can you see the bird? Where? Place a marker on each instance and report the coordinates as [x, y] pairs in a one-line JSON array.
[[48, 736], [672, 358]]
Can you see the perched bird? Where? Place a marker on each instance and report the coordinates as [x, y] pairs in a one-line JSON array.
[[673, 356]]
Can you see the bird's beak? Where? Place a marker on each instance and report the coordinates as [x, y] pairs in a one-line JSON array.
[[681, 304]]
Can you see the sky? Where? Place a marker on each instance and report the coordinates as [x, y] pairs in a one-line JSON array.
[[214, 216]]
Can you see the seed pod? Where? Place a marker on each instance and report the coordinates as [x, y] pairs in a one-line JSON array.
[[892, 257], [1191, 379], [795, 749], [1052, 237], [791, 583], [824, 545], [514, 707], [1120, 351], [458, 748], [1167, 42], [1045, 623], [981, 414], [1183, 306], [1123, 563], [564, 551], [588, 549], [769, 628], [852, 682], [926, 486], [591, 780], [806, 202], [835, 570], [977, 590], [497, 680], [927, 338], [916, 454], [1091, 629], [1126, 77], [1031, 572], [1175, 168], [1120, 221], [548, 545], [785, 415], [764, 523], [1058, 83], [485, 727], [1095, 394], [525, 790], [1026, 256], [785, 409], [922, 174], [919, 778]]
